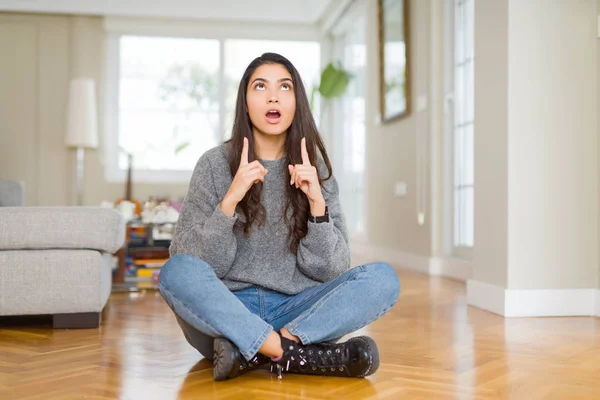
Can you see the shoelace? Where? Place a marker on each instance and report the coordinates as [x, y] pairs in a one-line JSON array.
[[323, 360], [331, 359]]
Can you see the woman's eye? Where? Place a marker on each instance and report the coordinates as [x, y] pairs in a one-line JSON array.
[[286, 86], [260, 86]]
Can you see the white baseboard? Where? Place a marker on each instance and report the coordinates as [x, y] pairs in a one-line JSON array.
[[499, 300], [451, 267], [486, 296], [533, 303], [391, 256], [448, 267]]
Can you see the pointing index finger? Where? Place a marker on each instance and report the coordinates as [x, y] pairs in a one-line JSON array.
[[305, 159], [244, 159]]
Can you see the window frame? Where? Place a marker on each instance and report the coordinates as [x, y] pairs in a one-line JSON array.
[[340, 34], [450, 106]]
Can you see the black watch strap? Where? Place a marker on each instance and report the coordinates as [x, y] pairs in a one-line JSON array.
[[322, 218]]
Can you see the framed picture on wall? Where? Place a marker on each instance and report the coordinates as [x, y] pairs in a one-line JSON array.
[[394, 62]]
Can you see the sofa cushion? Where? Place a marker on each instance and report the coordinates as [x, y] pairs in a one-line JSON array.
[[54, 281], [94, 228]]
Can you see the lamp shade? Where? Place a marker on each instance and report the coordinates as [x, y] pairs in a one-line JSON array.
[[82, 119]]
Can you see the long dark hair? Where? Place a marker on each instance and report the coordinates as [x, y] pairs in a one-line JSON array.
[[303, 125]]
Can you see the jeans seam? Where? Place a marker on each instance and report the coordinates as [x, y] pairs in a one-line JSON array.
[[357, 269], [174, 299], [294, 324], [318, 304], [261, 301], [293, 309], [258, 343]]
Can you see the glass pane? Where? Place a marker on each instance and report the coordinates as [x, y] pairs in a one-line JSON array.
[[155, 138], [459, 92], [469, 28], [459, 34], [464, 118], [458, 156], [469, 93], [469, 213], [468, 161], [463, 222], [168, 101], [457, 218], [348, 152]]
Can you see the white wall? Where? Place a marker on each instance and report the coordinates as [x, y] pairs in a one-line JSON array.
[[490, 254], [34, 76], [553, 144], [391, 148], [536, 133]]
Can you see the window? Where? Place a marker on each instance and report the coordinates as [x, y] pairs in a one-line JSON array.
[[348, 152], [461, 122], [172, 98], [168, 101]]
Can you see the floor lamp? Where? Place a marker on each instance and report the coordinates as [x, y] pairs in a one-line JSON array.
[[82, 124]]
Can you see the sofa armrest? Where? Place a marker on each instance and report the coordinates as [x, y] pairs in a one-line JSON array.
[[12, 193], [94, 228]]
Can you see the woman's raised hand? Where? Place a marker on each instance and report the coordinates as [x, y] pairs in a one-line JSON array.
[[305, 176], [247, 175]]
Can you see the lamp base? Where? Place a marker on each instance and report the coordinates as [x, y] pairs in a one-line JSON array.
[[80, 166]]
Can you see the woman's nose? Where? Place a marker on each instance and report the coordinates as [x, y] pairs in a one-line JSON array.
[[273, 97]]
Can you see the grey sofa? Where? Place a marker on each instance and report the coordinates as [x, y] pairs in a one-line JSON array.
[[56, 260]]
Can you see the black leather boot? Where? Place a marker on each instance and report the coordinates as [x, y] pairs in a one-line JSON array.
[[229, 363], [358, 357]]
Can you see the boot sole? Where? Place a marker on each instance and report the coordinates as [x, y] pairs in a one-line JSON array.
[[374, 355], [225, 355]]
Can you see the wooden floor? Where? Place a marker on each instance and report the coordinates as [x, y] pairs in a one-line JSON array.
[[432, 346]]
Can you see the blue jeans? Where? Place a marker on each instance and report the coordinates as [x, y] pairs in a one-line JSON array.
[[205, 308]]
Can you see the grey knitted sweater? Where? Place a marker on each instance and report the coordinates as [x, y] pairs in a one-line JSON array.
[[263, 259]]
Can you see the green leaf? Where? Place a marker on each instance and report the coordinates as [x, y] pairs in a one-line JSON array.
[[181, 147], [334, 81]]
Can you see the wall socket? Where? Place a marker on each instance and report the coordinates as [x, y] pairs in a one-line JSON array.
[[400, 189]]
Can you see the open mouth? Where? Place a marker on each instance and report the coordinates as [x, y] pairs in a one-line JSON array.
[[273, 116]]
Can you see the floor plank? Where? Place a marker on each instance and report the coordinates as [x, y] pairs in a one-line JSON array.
[[432, 346]]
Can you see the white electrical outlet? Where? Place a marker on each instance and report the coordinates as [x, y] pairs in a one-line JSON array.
[[400, 189]]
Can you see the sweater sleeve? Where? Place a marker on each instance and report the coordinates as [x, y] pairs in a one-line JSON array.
[[203, 229], [324, 253]]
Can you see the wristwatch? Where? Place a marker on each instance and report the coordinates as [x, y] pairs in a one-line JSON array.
[[322, 218]]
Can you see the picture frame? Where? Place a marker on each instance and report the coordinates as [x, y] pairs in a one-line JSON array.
[[394, 59]]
